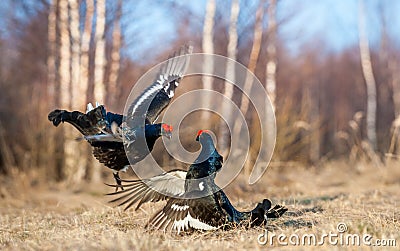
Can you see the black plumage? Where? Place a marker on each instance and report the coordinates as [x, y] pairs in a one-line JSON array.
[[90, 123], [97, 123], [112, 141], [195, 202]]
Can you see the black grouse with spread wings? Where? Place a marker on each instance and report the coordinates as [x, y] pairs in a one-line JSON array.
[[193, 202], [105, 131]]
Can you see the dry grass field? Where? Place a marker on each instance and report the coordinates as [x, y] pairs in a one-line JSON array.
[[35, 216]]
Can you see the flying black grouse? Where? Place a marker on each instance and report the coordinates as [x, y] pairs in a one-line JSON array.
[[194, 201], [105, 131], [97, 122]]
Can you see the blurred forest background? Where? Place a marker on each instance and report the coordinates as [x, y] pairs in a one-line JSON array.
[[335, 85]]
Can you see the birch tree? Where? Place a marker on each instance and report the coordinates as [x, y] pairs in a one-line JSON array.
[[100, 60], [65, 85], [254, 54], [115, 55], [78, 89], [51, 84], [270, 70], [51, 58], [65, 55], [99, 68], [270, 73], [208, 47], [230, 71], [368, 76], [85, 46]]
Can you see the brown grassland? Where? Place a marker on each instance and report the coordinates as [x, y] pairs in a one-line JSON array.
[[35, 216]]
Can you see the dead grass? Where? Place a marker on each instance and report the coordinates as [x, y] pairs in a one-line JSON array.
[[57, 217]]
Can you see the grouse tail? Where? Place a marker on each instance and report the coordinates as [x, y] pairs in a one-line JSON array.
[[264, 211], [56, 116]]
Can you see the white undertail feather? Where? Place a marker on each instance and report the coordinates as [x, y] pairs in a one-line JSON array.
[[89, 107], [189, 221]]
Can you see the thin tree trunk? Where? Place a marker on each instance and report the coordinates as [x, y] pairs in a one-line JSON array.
[[100, 60], [271, 52], [99, 67], [85, 46], [51, 86], [78, 98], [368, 76], [230, 71], [65, 56], [254, 54], [115, 56], [208, 47], [270, 74], [51, 58], [78, 91], [65, 87]]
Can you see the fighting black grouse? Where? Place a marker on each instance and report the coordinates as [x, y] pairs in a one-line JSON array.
[[105, 130], [96, 122], [194, 201]]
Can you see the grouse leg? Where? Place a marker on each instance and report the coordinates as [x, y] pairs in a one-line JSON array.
[[118, 181]]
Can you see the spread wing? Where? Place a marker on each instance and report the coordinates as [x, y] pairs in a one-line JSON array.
[[160, 187], [157, 96], [183, 214]]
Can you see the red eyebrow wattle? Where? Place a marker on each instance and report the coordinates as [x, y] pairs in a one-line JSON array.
[[201, 131]]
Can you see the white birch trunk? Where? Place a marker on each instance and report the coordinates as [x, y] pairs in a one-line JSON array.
[[99, 67], [368, 76], [100, 60], [78, 91], [254, 54], [85, 46], [270, 75], [230, 71], [208, 47], [271, 52], [115, 56], [78, 96], [51, 81], [65, 86], [65, 56], [51, 58]]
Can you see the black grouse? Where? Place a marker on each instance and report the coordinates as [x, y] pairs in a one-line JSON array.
[[111, 134], [97, 122], [194, 201]]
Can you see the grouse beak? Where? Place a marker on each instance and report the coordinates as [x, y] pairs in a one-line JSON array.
[[168, 135], [197, 138]]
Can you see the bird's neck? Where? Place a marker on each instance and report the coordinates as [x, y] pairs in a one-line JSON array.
[[152, 133]]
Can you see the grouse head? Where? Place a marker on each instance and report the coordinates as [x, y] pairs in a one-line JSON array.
[[208, 151], [97, 117], [166, 130]]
